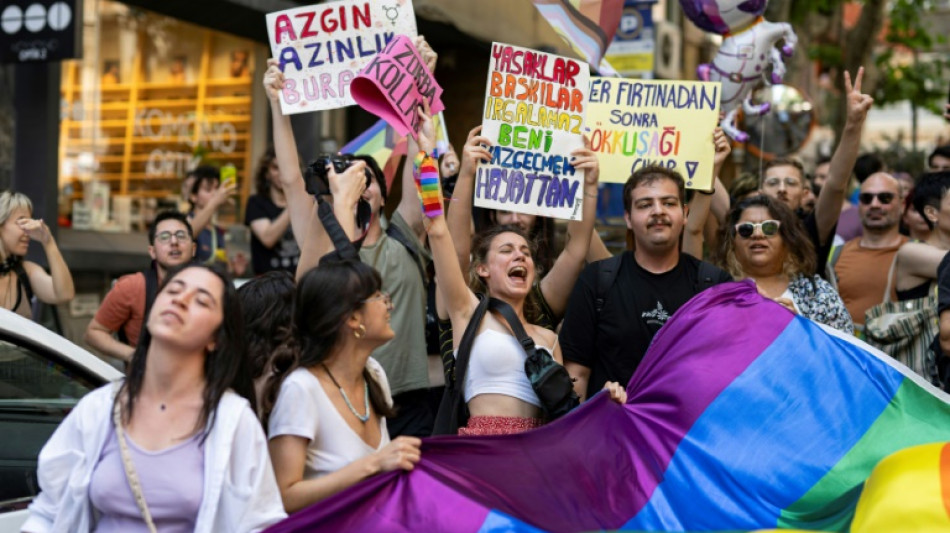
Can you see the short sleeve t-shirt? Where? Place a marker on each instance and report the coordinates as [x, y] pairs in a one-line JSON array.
[[613, 342], [404, 358], [303, 409], [285, 254], [124, 307]]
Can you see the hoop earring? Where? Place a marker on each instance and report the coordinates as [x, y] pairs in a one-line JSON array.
[[360, 332]]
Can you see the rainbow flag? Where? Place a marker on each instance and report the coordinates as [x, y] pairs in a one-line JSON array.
[[587, 26], [382, 143], [741, 416]]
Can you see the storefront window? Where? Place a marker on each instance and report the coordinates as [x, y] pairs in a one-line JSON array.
[[151, 98]]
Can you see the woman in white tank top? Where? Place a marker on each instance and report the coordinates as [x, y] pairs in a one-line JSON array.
[[499, 396]]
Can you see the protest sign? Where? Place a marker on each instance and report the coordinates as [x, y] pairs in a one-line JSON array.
[[534, 115], [394, 84], [638, 123], [322, 47]]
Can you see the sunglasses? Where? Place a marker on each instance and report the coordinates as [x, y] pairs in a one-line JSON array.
[[884, 197], [768, 227]]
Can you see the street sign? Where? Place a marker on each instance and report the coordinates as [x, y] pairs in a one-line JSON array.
[[37, 31]]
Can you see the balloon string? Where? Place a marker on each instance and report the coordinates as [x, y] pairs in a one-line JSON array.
[[762, 145]]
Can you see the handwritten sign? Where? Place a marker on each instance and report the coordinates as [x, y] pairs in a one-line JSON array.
[[534, 115], [638, 123], [394, 84], [322, 47]]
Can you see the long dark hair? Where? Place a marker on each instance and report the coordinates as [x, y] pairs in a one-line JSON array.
[[225, 367], [268, 305], [261, 183], [801, 258], [326, 296], [481, 246]]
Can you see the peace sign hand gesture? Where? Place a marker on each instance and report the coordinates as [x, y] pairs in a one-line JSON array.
[[857, 102]]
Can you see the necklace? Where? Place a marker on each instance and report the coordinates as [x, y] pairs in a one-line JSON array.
[[363, 418]]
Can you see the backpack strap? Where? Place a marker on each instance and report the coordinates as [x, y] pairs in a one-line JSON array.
[[151, 289], [606, 275], [706, 276], [514, 322], [400, 237], [465, 345]]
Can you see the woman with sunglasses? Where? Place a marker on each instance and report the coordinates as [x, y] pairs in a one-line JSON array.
[[763, 240], [327, 429]]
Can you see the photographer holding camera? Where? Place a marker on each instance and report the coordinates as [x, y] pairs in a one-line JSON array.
[[395, 248]]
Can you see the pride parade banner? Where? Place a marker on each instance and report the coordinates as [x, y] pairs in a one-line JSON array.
[[534, 114], [394, 84], [638, 123], [741, 416], [322, 47]]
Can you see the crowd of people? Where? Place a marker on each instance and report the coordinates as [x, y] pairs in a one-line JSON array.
[[240, 406]]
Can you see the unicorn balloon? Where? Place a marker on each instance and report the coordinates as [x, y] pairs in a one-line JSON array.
[[748, 49]]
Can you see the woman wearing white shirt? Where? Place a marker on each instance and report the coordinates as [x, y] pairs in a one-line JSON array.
[[327, 430], [187, 453]]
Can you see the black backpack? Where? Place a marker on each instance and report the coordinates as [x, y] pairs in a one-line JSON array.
[[607, 273]]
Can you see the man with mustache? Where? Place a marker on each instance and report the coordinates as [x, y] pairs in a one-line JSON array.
[[864, 262], [123, 311], [619, 304]]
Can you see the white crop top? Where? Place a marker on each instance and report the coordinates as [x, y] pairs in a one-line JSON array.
[[496, 366]]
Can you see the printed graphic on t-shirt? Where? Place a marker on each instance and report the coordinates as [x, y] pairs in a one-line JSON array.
[[656, 317], [287, 253]]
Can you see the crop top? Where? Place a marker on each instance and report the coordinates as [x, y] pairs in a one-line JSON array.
[[496, 366]]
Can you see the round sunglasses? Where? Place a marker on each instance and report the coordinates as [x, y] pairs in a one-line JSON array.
[[768, 227]]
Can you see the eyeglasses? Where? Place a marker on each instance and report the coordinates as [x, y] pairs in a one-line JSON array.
[[166, 236], [384, 296], [884, 197], [768, 227], [790, 182]]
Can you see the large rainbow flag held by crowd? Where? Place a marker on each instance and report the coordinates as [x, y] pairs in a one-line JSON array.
[[742, 416]]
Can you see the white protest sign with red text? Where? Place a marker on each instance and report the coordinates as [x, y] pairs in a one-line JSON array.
[[321, 48]]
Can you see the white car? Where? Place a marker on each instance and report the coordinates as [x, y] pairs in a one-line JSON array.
[[42, 376]]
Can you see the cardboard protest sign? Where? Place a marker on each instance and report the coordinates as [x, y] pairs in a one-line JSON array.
[[637, 123], [534, 114], [394, 84], [322, 47]]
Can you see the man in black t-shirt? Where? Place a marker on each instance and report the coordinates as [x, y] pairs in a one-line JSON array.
[[607, 329]]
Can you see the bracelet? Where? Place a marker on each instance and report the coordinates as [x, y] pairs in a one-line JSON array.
[[707, 193]]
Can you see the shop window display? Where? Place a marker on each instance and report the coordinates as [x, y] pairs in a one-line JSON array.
[[151, 98]]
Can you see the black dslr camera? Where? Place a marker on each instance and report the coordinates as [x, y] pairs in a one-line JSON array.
[[316, 178], [317, 183]]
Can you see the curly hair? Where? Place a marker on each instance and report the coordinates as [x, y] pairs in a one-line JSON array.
[[800, 252]]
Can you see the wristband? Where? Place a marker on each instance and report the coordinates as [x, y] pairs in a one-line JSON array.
[[425, 170], [707, 193]]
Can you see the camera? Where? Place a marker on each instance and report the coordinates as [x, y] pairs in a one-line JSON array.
[[317, 183], [316, 178]]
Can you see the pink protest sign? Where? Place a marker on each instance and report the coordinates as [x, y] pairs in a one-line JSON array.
[[394, 84]]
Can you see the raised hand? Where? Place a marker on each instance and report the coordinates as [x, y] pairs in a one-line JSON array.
[[273, 80], [428, 54], [222, 194], [350, 184], [584, 158], [426, 134], [723, 148], [477, 148], [858, 104]]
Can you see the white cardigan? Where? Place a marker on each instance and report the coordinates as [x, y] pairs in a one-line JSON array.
[[240, 491]]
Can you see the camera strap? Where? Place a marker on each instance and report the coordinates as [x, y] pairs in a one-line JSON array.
[[344, 248]]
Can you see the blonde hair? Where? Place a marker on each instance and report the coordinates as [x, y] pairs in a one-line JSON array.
[[10, 201]]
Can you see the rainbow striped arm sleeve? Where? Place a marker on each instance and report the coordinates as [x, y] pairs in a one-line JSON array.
[[425, 170]]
